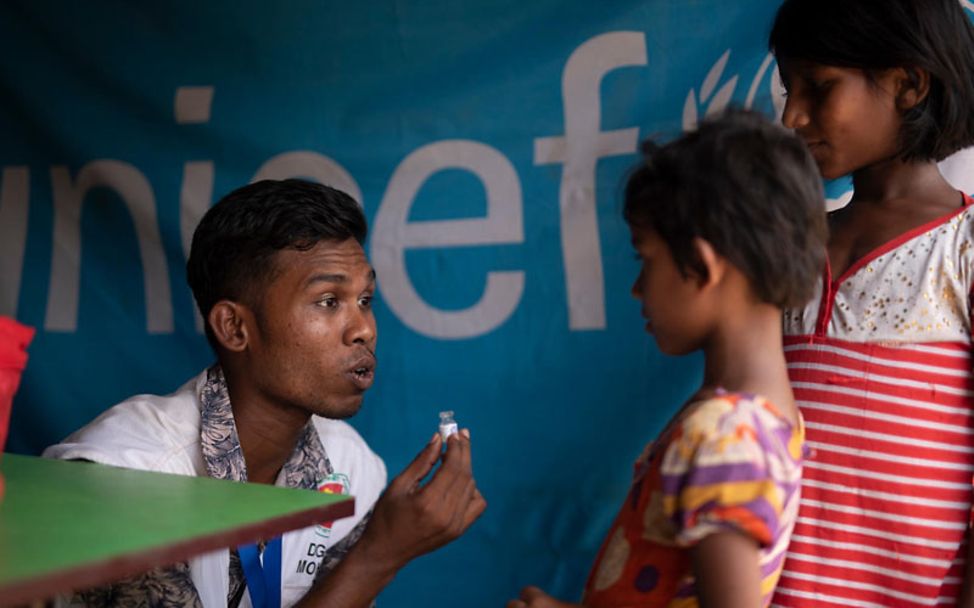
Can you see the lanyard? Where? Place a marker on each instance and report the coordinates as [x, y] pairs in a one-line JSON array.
[[263, 580]]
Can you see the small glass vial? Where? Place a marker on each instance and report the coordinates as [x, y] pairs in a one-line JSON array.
[[448, 426]]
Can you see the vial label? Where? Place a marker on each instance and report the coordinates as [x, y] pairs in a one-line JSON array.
[[448, 425], [448, 429]]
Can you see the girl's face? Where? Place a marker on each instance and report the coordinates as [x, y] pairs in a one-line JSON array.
[[669, 300], [848, 120]]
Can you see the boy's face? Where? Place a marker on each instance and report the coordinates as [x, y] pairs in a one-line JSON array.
[[670, 301], [848, 121]]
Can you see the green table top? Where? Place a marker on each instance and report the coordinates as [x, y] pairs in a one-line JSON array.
[[73, 525]]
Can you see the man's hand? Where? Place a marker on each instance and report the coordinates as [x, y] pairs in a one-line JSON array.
[[532, 597], [412, 519], [408, 520]]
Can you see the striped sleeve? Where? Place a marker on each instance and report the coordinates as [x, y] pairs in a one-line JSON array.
[[718, 475]]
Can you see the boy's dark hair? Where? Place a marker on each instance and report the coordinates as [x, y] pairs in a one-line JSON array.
[[748, 187], [875, 35], [234, 244]]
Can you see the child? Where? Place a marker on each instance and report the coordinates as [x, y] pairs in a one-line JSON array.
[[880, 359], [729, 225]]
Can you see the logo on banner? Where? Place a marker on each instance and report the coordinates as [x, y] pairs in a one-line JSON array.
[[333, 483], [716, 91]]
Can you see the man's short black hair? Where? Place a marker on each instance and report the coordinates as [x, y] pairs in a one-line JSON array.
[[748, 187], [234, 244], [876, 35]]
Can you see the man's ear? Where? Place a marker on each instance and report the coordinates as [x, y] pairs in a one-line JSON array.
[[712, 262], [912, 85], [230, 324]]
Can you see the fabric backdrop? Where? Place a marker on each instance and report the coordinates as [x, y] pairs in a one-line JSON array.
[[487, 142]]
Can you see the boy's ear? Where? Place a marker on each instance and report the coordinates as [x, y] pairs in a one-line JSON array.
[[229, 322], [712, 262], [912, 85]]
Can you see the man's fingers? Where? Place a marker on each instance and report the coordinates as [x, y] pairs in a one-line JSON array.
[[468, 507], [529, 594], [446, 487], [465, 433], [453, 475], [419, 467], [475, 508]]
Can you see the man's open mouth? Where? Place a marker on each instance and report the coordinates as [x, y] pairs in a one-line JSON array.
[[362, 372]]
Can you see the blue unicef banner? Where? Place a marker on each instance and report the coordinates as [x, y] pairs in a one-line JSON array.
[[487, 142]]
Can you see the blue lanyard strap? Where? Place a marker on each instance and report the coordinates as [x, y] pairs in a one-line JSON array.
[[263, 580]]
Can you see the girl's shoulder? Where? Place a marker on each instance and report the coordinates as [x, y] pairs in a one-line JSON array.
[[713, 411], [737, 422], [966, 216], [949, 239], [731, 438], [958, 222]]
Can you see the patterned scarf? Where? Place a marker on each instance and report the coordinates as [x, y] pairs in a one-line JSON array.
[[307, 465]]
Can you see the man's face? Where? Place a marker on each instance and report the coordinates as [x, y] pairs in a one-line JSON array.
[[314, 344]]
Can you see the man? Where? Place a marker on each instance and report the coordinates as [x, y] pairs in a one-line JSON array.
[[279, 274]]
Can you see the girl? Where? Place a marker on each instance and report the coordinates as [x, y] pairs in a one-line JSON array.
[[729, 225], [880, 358]]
